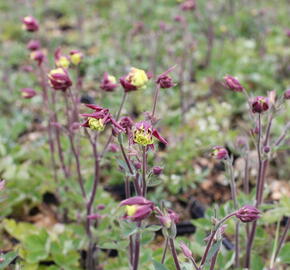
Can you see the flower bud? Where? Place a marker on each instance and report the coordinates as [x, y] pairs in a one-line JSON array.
[[267, 149], [219, 153], [188, 5], [127, 123], [248, 213], [28, 93], [157, 170], [60, 60], [137, 165], [185, 250], [260, 104], [233, 84], [76, 57], [113, 148], [30, 24], [135, 80], [164, 80], [94, 216], [37, 56], [33, 45], [59, 79], [108, 83], [101, 207], [287, 94]]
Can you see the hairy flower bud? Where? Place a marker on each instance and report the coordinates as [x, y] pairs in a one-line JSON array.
[[232, 83], [30, 24], [185, 250], [108, 83], [287, 94], [135, 80], [33, 45], [157, 170], [76, 57], [59, 79], [260, 104], [219, 153], [248, 213], [28, 93]]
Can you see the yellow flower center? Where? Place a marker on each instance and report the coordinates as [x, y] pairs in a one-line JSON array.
[[56, 71], [138, 78], [62, 62], [112, 79], [131, 210], [76, 58], [143, 138], [96, 124]]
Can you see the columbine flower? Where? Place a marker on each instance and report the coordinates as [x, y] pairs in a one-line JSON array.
[[33, 45], [37, 56], [144, 133], [219, 153], [185, 250], [164, 80], [108, 83], [59, 79], [260, 104], [287, 94], [99, 118], [30, 24], [76, 57], [248, 213], [28, 93], [188, 5], [136, 79], [233, 84], [60, 60], [137, 208]]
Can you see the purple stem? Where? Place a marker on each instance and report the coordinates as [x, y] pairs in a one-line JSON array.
[[174, 254], [144, 169], [137, 249], [165, 250], [157, 90]]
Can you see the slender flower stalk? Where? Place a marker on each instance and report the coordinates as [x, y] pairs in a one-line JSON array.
[[144, 169], [165, 250], [283, 238], [174, 254], [157, 90]]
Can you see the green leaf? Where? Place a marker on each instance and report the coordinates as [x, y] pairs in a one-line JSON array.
[[284, 254], [7, 259], [128, 228], [153, 228], [159, 266]]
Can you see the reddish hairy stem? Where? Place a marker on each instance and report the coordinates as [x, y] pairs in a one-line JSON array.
[[174, 254]]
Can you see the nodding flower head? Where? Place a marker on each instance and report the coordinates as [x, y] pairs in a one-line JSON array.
[[137, 208], [30, 24], [59, 79], [135, 80], [248, 213], [38, 56], [60, 60], [220, 153], [185, 250], [99, 118], [127, 123], [33, 45], [233, 84], [76, 57], [260, 104], [168, 218], [108, 83], [164, 80], [188, 5], [144, 134], [28, 93], [287, 94]]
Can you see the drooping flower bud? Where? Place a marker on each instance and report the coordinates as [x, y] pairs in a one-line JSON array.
[[232, 83], [59, 79], [28, 93], [30, 24], [157, 170], [260, 104], [127, 123], [188, 5], [37, 56], [185, 250], [164, 80], [60, 60], [108, 83], [144, 134], [287, 94], [33, 45], [248, 213], [135, 80], [137, 165], [168, 218], [76, 57], [219, 153]]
